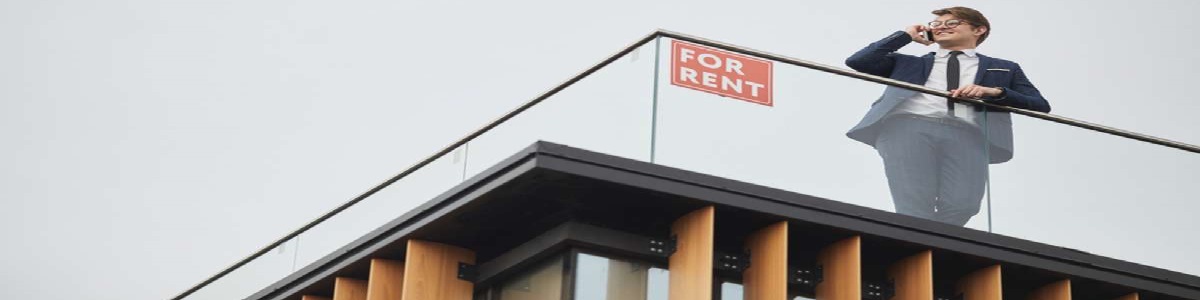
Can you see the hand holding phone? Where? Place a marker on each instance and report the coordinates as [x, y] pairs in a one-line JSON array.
[[920, 34]]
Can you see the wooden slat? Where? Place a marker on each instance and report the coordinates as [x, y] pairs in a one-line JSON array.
[[843, 271], [431, 272], [691, 266], [1060, 290], [1133, 296], [766, 279], [386, 279], [627, 280], [983, 284], [913, 277], [349, 289], [311, 297]]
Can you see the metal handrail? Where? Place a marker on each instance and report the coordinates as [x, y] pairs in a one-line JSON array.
[[679, 36]]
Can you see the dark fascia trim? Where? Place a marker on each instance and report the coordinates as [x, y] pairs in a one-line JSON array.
[[401, 227], [869, 221]]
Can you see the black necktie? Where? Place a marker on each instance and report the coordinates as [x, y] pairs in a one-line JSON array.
[[952, 78]]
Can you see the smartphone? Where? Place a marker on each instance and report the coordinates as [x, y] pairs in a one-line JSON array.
[[928, 35]]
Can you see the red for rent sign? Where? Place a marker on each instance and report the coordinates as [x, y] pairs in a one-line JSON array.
[[722, 73]]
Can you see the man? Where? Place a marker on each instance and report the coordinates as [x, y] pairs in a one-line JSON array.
[[935, 152]]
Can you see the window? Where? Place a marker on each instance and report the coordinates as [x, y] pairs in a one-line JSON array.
[[731, 291], [542, 282], [603, 278]]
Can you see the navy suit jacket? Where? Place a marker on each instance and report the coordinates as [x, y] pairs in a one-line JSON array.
[[879, 58]]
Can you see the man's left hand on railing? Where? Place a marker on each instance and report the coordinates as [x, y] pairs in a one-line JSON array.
[[976, 91]]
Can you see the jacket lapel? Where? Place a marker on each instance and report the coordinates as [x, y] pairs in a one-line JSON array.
[[984, 64], [928, 59]]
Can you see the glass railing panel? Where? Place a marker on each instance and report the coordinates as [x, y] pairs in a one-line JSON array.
[[799, 142], [253, 276], [607, 111], [390, 203], [1099, 193], [340, 230]]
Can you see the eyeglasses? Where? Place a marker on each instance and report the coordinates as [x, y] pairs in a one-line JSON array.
[[949, 23]]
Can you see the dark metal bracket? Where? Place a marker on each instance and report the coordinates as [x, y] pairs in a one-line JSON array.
[[807, 277], [732, 262], [468, 272], [664, 247], [879, 291], [956, 297]]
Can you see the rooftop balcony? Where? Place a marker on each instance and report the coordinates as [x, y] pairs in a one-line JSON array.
[[1102, 191]]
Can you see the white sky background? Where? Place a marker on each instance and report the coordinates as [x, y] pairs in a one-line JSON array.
[[149, 144]]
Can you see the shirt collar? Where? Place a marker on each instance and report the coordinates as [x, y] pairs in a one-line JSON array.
[[943, 53]]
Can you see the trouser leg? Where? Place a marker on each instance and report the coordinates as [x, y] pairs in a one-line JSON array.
[[909, 160], [963, 175]]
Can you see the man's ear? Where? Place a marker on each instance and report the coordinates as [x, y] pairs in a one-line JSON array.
[[980, 30]]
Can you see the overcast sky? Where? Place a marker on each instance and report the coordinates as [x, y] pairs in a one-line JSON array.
[[149, 144]]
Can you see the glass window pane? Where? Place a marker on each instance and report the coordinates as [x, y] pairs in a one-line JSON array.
[[731, 291], [540, 283], [658, 280], [601, 278]]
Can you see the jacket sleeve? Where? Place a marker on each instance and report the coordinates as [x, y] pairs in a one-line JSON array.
[[1022, 94], [879, 57]]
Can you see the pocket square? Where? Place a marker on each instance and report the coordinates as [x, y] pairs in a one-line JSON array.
[[1002, 70]]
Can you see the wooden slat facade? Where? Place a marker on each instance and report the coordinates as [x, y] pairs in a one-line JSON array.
[[1133, 296], [691, 266], [431, 272], [1059, 290], [349, 289], [766, 279], [913, 277], [984, 284], [842, 262], [386, 281]]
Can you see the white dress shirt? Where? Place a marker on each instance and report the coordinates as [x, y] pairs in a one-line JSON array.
[[932, 106]]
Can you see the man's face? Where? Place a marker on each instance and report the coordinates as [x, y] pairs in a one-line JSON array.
[[962, 34]]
